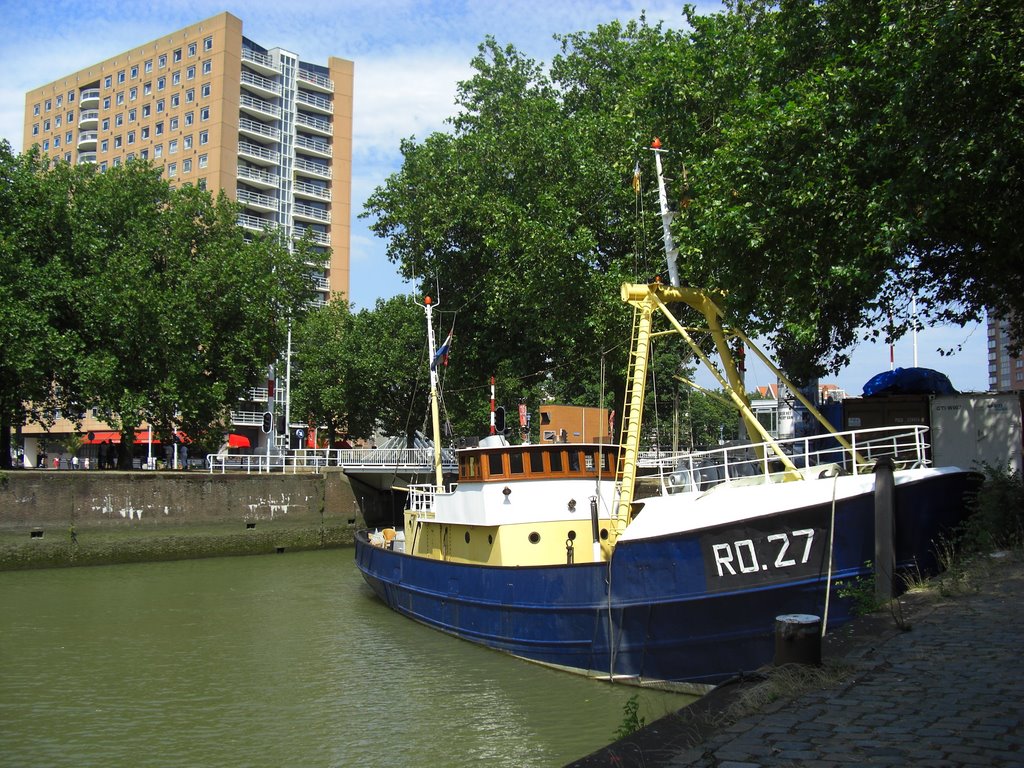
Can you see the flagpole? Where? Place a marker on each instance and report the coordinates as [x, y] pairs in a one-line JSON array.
[[435, 417]]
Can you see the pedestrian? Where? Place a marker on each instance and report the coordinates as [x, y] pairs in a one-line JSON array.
[[85, 461], [74, 461]]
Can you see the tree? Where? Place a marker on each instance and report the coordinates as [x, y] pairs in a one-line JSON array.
[[36, 340], [322, 368]]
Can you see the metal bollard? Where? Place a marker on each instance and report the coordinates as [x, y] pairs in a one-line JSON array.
[[797, 639]]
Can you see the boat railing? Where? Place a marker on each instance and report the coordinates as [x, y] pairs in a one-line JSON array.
[[421, 498], [402, 460], [854, 452]]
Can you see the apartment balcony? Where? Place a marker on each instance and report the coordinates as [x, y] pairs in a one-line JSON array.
[[256, 154], [260, 61], [315, 103], [313, 80], [258, 131], [305, 212], [255, 223], [314, 124], [320, 238], [258, 107], [256, 200], [257, 177], [88, 118], [319, 148], [247, 418], [90, 97], [321, 283], [311, 191], [262, 85], [87, 140], [308, 168], [86, 157]]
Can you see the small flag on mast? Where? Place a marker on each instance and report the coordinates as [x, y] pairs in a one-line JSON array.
[[442, 352]]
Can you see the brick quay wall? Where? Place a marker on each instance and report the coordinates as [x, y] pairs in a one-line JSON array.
[[59, 518]]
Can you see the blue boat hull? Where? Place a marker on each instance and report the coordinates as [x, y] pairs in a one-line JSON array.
[[696, 606]]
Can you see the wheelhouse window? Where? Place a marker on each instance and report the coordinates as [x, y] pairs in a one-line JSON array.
[[536, 462], [515, 463], [555, 460], [494, 465]]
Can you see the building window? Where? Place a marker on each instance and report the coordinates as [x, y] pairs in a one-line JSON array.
[[148, 66], [159, 106], [177, 55], [207, 67], [56, 121], [146, 110], [191, 49], [188, 118], [204, 113], [67, 157], [144, 132], [119, 99], [175, 100], [133, 94], [204, 137], [161, 83], [135, 71], [131, 115], [204, 91], [144, 154], [202, 161], [46, 124], [174, 124], [201, 184], [48, 105], [120, 77], [60, 101], [117, 142], [70, 117], [106, 102], [118, 119], [67, 137], [35, 129], [186, 142], [35, 110], [117, 162], [162, 61], [131, 137], [159, 127], [158, 150], [190, 95], [46, 144], [186, 166], [106, 123], [104, 145], [172, 147], [107, 82], [147, 89], [71, 96], [56, 141], [190, 73], [175, 78], [130, 157], [172, 169]]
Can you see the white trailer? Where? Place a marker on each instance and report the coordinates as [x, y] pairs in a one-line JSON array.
[[970, 429]]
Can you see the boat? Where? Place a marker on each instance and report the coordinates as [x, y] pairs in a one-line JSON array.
[[550, 553]]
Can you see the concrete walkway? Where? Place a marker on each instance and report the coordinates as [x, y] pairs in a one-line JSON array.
[[946, 691]]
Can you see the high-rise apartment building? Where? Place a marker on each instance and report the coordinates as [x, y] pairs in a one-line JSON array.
[[1005, 371], [214, 109], [218, 110]]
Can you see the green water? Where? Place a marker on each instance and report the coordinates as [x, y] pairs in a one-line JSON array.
[[279, 660]]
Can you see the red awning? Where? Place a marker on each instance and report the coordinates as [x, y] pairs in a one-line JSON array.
[[238, 441], [97, 436]]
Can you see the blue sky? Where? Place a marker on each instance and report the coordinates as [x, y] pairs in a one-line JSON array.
[[409, 56]]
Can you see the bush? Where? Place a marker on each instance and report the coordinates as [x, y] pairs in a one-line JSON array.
[[997, 513]]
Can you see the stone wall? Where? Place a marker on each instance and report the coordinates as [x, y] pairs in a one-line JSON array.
[[53, 518]]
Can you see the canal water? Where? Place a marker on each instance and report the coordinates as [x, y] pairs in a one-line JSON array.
[[271, 661]]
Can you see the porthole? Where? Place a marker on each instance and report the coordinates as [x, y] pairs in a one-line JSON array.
[[467, 537], [490, 539], [604, 534], [572, 536], [534, 538]]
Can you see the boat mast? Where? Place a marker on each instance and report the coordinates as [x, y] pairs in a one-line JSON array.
[[435, 416]]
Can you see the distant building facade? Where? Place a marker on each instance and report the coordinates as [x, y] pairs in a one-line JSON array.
[[1005, 371]]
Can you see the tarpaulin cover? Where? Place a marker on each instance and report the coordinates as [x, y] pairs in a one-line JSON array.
[[909, 381]]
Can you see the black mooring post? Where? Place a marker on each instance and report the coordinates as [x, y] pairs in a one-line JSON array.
[[885, 555]]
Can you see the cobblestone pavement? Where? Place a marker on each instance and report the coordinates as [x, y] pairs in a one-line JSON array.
[[947, 692]]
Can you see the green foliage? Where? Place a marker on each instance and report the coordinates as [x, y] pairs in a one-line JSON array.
[[861, 590], [143, 302], [997, 513], [631, 721]]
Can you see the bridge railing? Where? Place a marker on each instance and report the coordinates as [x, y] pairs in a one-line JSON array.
[[399, 459]]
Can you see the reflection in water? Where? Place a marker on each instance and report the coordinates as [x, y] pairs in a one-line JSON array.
[[270, 661]]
